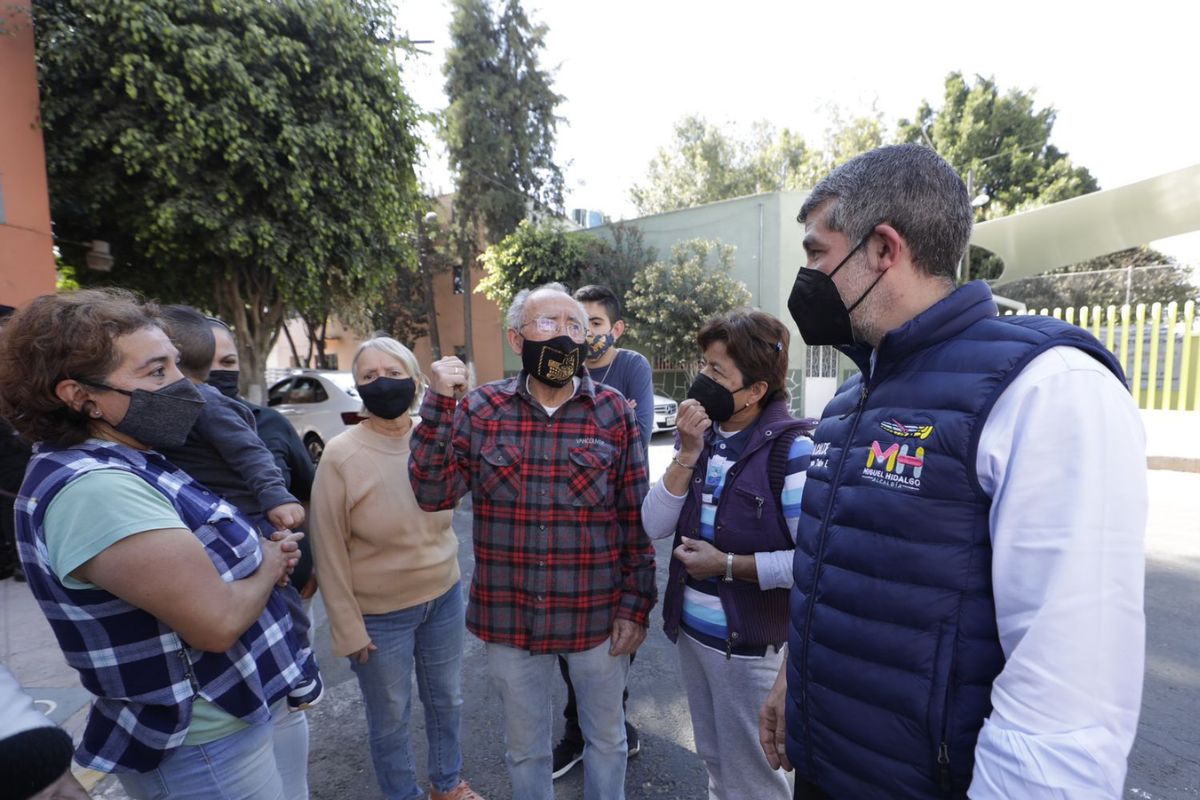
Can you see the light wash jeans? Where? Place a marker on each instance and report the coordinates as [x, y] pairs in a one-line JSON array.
[[428, 637], [523, 682], [260, 762]]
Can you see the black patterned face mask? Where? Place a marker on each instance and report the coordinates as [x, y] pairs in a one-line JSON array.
[[555, 361]]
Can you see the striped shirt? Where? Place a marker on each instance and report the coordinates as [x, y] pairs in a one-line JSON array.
[[560, 552], [703, 616]]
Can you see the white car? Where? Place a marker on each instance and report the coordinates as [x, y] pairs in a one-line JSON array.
[[319, 403], [665, 410]]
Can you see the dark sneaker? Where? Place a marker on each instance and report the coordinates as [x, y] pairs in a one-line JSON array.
[[306, 696], [632, 739], [567, 754]]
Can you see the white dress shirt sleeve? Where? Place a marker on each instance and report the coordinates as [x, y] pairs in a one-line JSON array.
[[1062, 455]]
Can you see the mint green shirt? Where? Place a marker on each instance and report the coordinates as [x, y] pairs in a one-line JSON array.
[[94, 512]]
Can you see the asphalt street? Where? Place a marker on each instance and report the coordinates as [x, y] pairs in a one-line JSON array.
[[1164, 765]]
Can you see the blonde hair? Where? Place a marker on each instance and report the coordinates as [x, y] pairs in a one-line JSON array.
[[393, 348]]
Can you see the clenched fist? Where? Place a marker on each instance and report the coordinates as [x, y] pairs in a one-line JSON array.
[[449, 376]]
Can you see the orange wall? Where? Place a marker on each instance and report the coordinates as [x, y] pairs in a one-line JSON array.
[[26, 255]]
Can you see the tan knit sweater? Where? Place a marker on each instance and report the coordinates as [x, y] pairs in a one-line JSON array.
[[376, 551]]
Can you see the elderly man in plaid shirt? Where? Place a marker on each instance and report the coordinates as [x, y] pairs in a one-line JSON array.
[[557, 472]]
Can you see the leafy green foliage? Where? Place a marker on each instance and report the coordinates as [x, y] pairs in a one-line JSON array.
[[247, 156], [1139, 275], [530, 256], [705, 163], [539, 253], [500, 124], [1002, 140], [672, 299]]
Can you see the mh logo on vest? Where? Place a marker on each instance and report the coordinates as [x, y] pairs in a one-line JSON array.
[[888, 466]]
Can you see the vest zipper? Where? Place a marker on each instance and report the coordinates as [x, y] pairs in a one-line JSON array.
[[943, 761], [758, 513], [862, 401], [837, 477]]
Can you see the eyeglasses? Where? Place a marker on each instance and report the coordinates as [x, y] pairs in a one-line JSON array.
[[551, 326]]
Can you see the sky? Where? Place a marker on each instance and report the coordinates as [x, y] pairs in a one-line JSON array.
[[1123, 80]]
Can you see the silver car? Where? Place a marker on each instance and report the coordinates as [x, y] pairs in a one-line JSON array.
[[665, 410], [319, 403]]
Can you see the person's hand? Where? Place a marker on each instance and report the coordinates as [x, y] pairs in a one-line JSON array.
[[287, 516], [632, 403], [448, 376], [361, 656], [772, 727], [691, 422], [282, 552], [627, 637], [699, 558], [65, 788]]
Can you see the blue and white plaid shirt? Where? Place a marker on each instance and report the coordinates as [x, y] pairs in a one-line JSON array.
[[143, 675]]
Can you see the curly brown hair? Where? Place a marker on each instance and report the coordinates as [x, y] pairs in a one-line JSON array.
[[758, 345], [70, 335]]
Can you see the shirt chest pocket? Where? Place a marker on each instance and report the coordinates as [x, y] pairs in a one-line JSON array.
[[500, 472], [587, 477]]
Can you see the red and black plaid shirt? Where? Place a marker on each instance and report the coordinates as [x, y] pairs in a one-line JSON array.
[[559, 547]]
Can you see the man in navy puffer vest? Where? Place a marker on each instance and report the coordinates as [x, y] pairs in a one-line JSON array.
[[967, 617]]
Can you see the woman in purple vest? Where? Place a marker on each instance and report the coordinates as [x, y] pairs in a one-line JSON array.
[[161, 595], [731, 497]]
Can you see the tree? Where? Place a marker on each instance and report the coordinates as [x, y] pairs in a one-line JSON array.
[[499, 128], [537, 253], [1139, 275], [1002, 141], [531, 255], [241, 155], [671, 300], [705, 163], [616, 265], [702, 165]]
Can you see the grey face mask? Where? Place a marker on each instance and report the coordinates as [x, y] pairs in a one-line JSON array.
[[159, 419]]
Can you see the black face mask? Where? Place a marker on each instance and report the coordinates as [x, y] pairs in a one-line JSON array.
[[555, 361], [388, 398], [817, 307], [715, 398], [160, 419], [225, 381]]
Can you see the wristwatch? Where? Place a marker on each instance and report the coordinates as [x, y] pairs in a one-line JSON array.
[[729, 568]]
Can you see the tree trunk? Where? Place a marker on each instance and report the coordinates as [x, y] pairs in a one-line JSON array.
[[250, 302]]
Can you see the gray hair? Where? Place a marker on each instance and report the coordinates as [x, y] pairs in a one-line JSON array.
[[911, 188], [516, 309], [393, 348]]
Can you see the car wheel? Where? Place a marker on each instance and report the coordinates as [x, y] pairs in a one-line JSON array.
[[315, 447]]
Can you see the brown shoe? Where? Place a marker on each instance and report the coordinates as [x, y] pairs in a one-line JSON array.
[[461, 792]]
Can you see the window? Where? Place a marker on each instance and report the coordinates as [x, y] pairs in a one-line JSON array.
[[306, 390], [821, 362], [277, 393]]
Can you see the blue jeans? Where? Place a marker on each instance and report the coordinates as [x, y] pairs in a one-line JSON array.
[[260, 762], [523, 682], [428, 637]]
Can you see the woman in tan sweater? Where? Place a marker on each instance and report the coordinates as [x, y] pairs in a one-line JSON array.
[[389, 575]]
